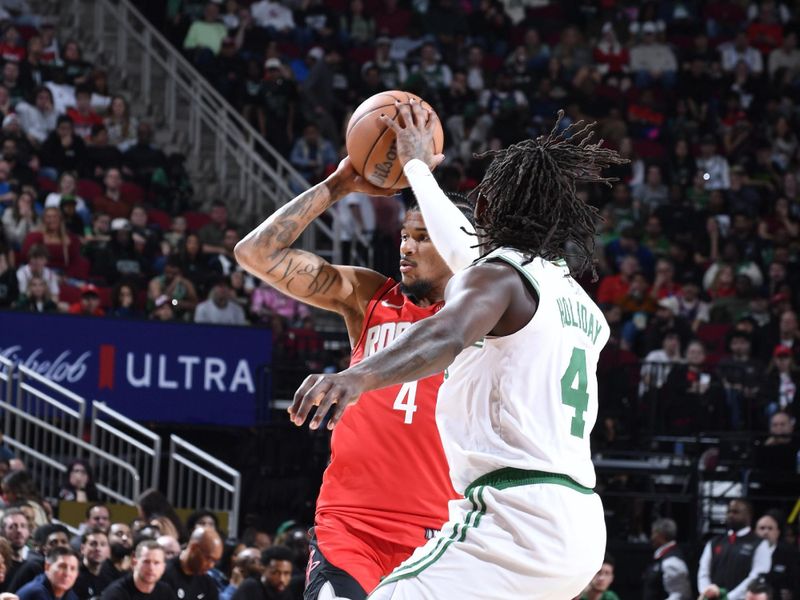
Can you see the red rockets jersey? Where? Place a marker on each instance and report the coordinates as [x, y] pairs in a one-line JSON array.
[[388, 474]]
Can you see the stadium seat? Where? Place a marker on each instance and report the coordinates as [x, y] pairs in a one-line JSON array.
[[713, 336], [195, 220], [132, 192], [88, 189], [156, 216]]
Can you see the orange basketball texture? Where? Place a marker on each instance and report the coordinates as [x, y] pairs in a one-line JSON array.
[[371, 144]]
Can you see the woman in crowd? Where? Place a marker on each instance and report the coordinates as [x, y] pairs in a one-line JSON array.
[[20, 220], [79, 485]]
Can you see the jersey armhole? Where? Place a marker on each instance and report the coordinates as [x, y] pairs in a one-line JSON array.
[[373, 304], [528, 280]]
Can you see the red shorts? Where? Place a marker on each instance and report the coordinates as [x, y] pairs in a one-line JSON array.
[[367, 550]]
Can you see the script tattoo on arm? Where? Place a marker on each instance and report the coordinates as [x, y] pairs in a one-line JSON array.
[[301, 276]]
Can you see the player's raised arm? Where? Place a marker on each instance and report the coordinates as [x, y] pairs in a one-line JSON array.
[[450, 231], [266, 251]]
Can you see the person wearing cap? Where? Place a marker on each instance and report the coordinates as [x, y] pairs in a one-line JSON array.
[[89, 304], [163, 309], [67, 185], [178, 289], [206, 34], [393, 73], [653, 62], [779, 390], [120, 258], [218, 308], [280, 100]]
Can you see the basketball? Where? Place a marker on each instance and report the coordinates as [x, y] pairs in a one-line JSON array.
[[371, 144]]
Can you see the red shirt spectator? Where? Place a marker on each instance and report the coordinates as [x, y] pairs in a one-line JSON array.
[[10, 47], [82, 115], [63, 248], [89, 304], [112, 202]]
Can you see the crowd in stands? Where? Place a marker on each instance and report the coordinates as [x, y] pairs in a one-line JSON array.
[[156, 555], [697, 255]]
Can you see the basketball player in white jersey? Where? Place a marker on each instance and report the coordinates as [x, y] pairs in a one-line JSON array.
[[519, 341]]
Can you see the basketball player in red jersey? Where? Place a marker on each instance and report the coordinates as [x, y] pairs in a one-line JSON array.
[[387, 487]]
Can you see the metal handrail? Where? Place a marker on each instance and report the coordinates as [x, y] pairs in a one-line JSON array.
[[189, 456], [152, 449], [263, 173]]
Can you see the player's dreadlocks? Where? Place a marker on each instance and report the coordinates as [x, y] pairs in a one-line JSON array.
[[530, 192]]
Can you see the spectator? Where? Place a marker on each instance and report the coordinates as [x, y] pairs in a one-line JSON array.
[[187, 575], [246, 565], [144, 583], [82, 115], [614, 287], [280, 103], [121, 126], [122, 257], [123, 301], [759, 589], [63, 150], [668, 575], [38, 120], [143, 159], [783, 575], [20, 219], [651, 61], [45, 539], [212, 234], [169, 545], [657, 364], [16, 529], [653, 193], [598, 588], [392, 73], [8, 278], [95, 551], [38, 298], [76, 70], [224, 263], [715, 168], [61, 572], [174, 286], [153, 504], [730, 562], [113, 202], [79, 486], [782, 331], [694, 400], [277, 567], [781, 429], [206, 35], [100, 155], [267, 301], [741, 375], [67, 186], [218, 308], [779, 389], [89, 304], [740, 51], [13, 83], [312, 155], [610, 56], [37, 267], [784, 61]]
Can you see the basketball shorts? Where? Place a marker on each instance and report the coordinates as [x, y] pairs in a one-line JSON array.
[[516, 534], [349, 562]]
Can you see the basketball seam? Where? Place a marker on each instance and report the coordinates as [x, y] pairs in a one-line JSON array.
[[375, 143], [351, 125]]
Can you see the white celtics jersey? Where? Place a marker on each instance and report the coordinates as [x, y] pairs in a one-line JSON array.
[[527, 400]]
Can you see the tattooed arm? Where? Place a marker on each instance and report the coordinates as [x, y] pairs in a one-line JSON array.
[[265, 252]]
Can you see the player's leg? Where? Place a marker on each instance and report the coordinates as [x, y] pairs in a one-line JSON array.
[[327, 580], [538, 542]]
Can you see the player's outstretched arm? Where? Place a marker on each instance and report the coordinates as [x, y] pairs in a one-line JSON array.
[[476, 301], [450, 231], [266, 251]]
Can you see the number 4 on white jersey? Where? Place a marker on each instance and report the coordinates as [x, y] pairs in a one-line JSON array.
[[405, 401]]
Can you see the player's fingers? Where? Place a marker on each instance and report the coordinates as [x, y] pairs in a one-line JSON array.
[[390, 122], [336, 414], [437, 160], [433, 120], [308, 395], [405, 113], [420, 114], [366, 187], [330, 398]]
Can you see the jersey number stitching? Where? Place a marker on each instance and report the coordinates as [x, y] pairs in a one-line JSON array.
[[408, 393], [573, 390]]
